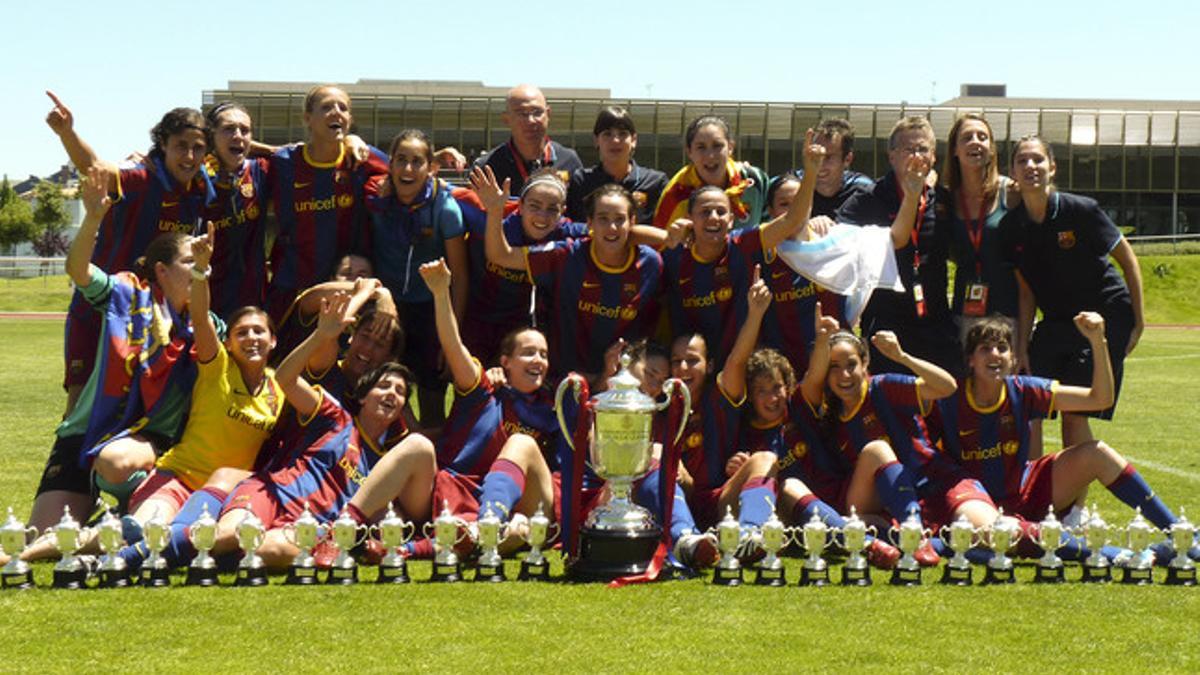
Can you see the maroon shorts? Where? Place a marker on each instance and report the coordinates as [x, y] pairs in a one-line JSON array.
[[938, 506], [253, 495], [703, 503], [163, 486], [1037, 490], [459, 491], [589, 501], [82, 333]]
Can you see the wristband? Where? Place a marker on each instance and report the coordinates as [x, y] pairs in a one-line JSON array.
[[199, 275]]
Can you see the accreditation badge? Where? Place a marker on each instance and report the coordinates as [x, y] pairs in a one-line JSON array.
[[919, 298], [975, 302]]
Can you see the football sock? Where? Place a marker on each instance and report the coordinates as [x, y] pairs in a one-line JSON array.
[[756, 502], [179, 550], [1132, 489], [896, 490], [502, 488], [810, 504]]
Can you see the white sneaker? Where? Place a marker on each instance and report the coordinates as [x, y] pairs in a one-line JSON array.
[[1073, 519], [697, 551]]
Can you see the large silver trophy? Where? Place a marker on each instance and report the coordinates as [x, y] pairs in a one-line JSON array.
[[69, 571], [13, 535], [113, 571], [618, 538], [394, 532], [304, 533], [1181, 571], [959, 536], [1138, 535]]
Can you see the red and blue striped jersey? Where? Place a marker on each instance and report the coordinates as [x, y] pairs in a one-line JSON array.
[[330, 468], [709, 297], [482, 419], [710, 437], [593, 304], [239, 213], [287, 440], [320, 214], [992, 444], [801, 451], [790, 325], [148, 203]]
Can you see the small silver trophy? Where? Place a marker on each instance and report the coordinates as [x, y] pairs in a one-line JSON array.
[[1096, 533], [1050, 568], [394, 532], [1003, 534], [346, 535], [815, 536], [13, 535], [490, 566], [728, 571], [908, 538], [856, 571], [69, 571], [113, 571], [1181, 571], [769, 571], [156, 573], [203, 569], [250, 534], [304, 534], [446, 535], [959, 536], [1140, 570], [535, 567]]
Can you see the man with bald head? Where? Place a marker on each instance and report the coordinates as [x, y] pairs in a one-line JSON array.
[[529, 148]]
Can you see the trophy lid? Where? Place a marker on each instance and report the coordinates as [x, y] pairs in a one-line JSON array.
[[624, 394], [1139, 522], [205, 519], [250, 520], [390, 518], [11, 524], [815, 523], [489, 517], [67, 522], [913, 520], [962, 523], [109, 521], [445, 515], [773, 523], [306, 516], [344, 520], [853, 522], [1050, 517], [1182, 523], [539, 516], [728, 521]]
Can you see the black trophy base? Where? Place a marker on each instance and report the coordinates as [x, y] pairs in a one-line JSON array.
[[534, 571], [301, 576], [71, 579], [605, 555], [1096, 575], [1050, 575], [770, 576], [113, 578], [250, 577], [856, 576], [18, 581], [1181, 576], [1137, 576], [201, 576], [490, 573], [727, 576], [811, 577], [446, 573], [999, 575], [155, 578], [393, 574], [906, 577], [957, 576], [342, 576]]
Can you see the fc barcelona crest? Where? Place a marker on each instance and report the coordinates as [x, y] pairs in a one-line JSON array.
[[247, 190], [1066, 239]]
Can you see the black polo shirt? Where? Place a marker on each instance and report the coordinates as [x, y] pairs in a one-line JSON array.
[[645, 184], [853, 183], [506, 163]]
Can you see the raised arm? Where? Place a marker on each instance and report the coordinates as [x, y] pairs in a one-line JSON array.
[[494, 196], [732, 378], [204, 332], [916, 170], [61, 121], [1127, 259], [812, 386], [464, 369], [1100, 395], [333, 319], [95, 203], [933, 382], [791, 223], [360, 291]]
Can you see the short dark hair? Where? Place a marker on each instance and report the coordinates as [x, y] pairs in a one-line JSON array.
[[508, 343], [248, 310], [367, 316], [839, 128], [992, 328], [214, 114], [368, 381], [771, 362], [613, 117], [177, 120], [702, 190], [775, 184], [704, 120], [165, 248], [609, 190]]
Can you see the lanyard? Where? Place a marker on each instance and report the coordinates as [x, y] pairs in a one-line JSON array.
[[547, 158], [975, 230], [916, 229]]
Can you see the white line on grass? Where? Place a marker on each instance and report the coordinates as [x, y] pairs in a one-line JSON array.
[[1190, 475], [1173, 357]]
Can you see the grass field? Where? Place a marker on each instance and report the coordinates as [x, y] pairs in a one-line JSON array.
[[676, 626]]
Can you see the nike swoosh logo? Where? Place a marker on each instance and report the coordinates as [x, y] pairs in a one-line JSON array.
[[776, 275], [968, 432], [167, 205], [591, 284], [299, 186], [684, 280]]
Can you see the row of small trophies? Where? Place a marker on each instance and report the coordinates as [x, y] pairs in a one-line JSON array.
[[71, 572], [110, 570], [1000, 537]]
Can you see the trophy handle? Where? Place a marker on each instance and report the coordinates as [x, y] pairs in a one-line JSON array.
[[552, 532], [427, 530], [571, 380], [669, 387], [893, 535], [289, 534], [372, 529], [945, 529], [411, 528], [363, 531], [31, 537]]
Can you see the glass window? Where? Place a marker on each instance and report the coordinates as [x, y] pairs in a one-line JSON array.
[[1162, 167], [1110, 167]]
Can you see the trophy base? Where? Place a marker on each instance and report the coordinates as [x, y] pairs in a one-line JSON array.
[[856, 576], [154, 578], [393, 574], [1137, 576], [770, 576], [71, 579], [999, 575], [605, 555], [1096, 575], [727, 576], [17, 580], [906, 577], [957, 576], [201, 576], [1050, 575], [446, 572], [539, 571], [1181, 576], [113, 579], [811, 577], [490, 573], [301, 576], [342, 576], [250, 577]]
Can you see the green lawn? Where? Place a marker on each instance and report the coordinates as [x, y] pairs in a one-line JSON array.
[[675, 626]]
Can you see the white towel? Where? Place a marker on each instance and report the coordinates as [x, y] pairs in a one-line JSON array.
[[851, 260]]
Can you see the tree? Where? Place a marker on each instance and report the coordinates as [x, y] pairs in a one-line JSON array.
[[16, 218], [50, 214]]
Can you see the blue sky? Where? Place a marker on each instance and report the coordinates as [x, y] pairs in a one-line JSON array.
[[121, 65]]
